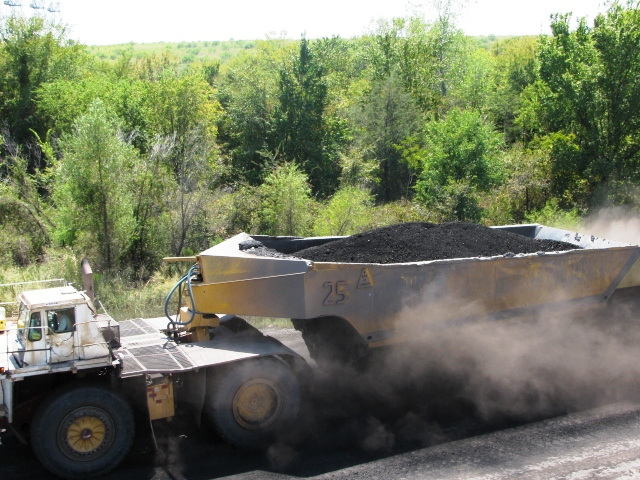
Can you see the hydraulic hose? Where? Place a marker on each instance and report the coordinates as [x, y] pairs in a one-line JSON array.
[[194, 270]]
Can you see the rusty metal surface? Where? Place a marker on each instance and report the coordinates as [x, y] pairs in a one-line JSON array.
[[386, 301]]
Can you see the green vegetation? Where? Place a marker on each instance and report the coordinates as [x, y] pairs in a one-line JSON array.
[[186, 52], [128, 153]]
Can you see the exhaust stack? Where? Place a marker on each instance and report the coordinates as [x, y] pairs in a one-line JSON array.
[[87, 278]]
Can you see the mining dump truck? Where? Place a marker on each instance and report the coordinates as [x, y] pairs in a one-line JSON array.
[[72, 378]]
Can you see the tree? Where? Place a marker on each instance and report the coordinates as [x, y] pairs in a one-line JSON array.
[[286, 205], [384, 122], [445, 39], [347, 212], [62, 102], [92, 195], [25, 224], [32, 53], [194, 176], [515, 70], [590, 94], [179, 105], [248, 94], [151, 182], [459, 159], [303, 134]]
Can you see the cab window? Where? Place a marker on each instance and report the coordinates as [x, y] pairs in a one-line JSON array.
[[23, 320], [62, 320], [35, 327]]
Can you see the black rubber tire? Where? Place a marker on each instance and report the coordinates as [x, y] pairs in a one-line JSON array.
[[105, 444], [240, 393]]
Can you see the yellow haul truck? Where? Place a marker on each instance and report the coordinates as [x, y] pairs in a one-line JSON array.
[[71, 378]]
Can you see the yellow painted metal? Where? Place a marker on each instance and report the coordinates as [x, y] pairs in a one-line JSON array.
[[257, 404], [86, 434], [160, 398], [199, 320], [387, 302], [632, 278], [256, 296], [200, 334]]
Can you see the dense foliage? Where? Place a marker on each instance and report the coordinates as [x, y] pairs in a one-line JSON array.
[[134, 157]]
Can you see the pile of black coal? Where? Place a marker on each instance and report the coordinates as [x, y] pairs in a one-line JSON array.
[[417, 242]]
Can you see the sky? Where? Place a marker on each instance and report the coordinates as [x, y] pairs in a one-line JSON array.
[[107, 22]]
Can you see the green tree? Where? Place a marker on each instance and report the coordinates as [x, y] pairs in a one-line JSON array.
[[151, 180], [303, 133], [32, 53], [385, 121], [591, 94], [447, 47], [195, 175], [459, 159], [515, 69], [248, 94], [526, 187], [62, 102], [286, 204], [181, 106], [25, 223], [92, 192], [347, 212]]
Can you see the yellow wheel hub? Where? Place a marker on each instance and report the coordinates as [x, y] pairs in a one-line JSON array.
[[86, 434], [257, 404]]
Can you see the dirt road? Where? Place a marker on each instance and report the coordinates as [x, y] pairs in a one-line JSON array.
[[600, 443], [337, 438]]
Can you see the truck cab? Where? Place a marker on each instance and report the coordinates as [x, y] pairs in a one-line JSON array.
[[58, 329]]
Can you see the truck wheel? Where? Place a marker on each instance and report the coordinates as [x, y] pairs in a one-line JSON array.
[[82, 432], [253, 401]]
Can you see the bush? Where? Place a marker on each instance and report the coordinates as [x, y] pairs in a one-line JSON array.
[[553, 216], [286, 201], [349, 211]]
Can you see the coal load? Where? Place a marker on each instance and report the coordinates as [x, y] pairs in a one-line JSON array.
[[419, 242]]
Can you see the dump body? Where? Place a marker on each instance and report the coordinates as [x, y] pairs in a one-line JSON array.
[[386, 302]]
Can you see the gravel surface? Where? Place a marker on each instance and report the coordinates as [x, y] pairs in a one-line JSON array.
[[417, 242], [598, 443]]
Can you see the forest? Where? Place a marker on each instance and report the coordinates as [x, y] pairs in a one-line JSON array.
[[128, 159]]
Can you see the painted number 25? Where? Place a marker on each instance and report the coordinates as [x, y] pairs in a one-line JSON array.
[[337, 293]]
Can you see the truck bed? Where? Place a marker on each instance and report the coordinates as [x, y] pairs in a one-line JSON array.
[[384, 302]]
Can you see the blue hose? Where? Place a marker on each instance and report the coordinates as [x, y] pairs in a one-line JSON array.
[[194, 270]]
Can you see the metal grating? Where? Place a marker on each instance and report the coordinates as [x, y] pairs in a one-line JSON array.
[[159, 362], [158, 357], [152, 349], [183, 360], [144, 326], [128, 329], [131, 328], [131, 366]]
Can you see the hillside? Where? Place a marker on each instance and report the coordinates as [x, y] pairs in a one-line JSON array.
[[186, 51]]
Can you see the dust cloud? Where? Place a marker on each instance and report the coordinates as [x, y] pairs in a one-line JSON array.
[[423, 392], [615, 223]]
